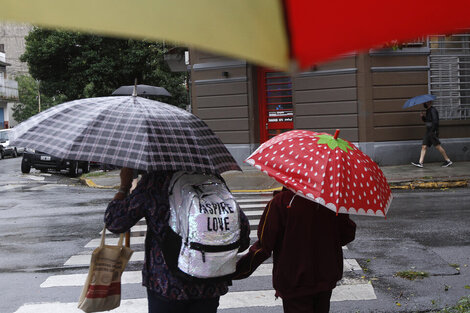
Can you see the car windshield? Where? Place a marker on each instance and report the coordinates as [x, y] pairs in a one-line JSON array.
[[3, 136]]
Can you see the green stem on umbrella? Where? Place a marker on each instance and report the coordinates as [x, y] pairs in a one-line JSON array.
[[333, 142]]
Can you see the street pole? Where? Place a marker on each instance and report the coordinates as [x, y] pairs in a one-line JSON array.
[[39, 98]]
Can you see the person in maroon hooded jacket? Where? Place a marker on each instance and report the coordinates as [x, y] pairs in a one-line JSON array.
[[306, 240]]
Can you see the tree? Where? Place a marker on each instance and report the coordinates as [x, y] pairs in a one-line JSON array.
[[76, 65], [30, 99]]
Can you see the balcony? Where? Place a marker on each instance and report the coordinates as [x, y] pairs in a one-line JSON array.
[[8, 89]]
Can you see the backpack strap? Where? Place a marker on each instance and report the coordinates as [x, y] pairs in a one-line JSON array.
[[174, 180]]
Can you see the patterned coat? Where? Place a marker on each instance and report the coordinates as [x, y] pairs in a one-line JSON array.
[[150, 200]]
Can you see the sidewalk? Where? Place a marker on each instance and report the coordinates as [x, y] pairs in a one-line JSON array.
[[252, 180]]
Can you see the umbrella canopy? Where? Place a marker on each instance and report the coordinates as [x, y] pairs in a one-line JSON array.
[[129, 132], [418, 100], [325, 169], [141, 90], [273, 33]]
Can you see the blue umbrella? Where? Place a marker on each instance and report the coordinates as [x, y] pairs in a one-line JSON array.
[[418, 100]]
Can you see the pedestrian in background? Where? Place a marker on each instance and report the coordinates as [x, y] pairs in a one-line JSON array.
[[431, 137], [306, 240], [166, 292]]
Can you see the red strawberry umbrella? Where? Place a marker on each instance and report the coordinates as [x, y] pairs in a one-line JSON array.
[[325, 169]]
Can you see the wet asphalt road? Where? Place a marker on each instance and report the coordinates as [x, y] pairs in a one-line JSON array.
[[45, 219]]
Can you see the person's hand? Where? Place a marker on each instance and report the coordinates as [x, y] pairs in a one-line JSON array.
[[126, 175], [242, 270], [422, 113]]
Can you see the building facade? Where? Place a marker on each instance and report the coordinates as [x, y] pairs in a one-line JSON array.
[[360, 94], [12, 41], [8, 92], [12, 36]]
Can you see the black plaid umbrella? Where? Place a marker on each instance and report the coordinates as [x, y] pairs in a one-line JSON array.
[[129, 132], [141, 90]]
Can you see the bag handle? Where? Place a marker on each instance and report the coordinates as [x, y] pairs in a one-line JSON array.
[[121, 238]]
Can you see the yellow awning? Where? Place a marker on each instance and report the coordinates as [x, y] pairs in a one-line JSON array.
[[247, 29]]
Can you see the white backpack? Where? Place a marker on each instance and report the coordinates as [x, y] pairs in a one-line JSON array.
[[203, 236]]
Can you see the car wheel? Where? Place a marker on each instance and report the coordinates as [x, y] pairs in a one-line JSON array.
[[25, 167], [73, 169], [85, 167], [2, 154]]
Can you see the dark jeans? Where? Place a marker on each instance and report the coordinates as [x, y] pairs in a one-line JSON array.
[[316, 303], [157, 304]]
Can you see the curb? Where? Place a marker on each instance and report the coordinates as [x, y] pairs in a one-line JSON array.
[[91, 184], [394, 186], [256, 190], [429, 184]]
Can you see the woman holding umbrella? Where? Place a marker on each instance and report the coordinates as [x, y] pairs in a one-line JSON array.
[[159, 139], [326, 179], [305, 238], [431, 137], [166, 292]]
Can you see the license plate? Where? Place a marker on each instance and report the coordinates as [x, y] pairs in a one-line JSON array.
[[45, 158]]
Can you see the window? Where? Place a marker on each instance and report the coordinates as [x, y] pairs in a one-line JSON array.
[[449, 75]]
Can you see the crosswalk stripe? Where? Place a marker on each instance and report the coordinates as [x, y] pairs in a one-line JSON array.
[[129, 277], [249, 206], [136, 240], [136, 228], [143, 228], [135, 277], [36, 178], [8, 187], [253, 234], [232, 300], [238, 194], [84, 259], [251, 200], [349, 288], [138, 256]]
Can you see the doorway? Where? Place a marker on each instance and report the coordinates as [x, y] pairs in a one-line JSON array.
[[275, 103]]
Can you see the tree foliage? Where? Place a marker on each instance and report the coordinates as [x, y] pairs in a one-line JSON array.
[[31, 99], [76, 65]]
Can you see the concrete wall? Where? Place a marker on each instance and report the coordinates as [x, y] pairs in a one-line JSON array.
[[360, 94], [12, 36], [326, 99], [221, 95], [404, 152]]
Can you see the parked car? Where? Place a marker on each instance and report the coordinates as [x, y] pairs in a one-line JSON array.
[[5, 147], [44, 162]]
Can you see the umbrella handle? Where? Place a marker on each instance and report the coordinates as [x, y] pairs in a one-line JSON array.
[[134, 93], [128, 238]]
